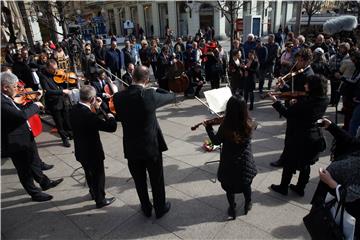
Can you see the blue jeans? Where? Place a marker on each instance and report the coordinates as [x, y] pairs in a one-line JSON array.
[[355, 121]]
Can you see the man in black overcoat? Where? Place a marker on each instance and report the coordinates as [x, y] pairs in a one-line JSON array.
[[18, 141], [143, 140], [303, 70], [88, 148]]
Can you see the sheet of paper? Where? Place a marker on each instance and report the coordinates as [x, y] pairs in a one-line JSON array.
[[217, 98]]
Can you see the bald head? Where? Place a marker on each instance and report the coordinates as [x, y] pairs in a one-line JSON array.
[[141, 74]]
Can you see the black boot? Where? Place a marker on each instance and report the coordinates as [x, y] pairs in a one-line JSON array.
[[247, 207], [279, 189], [299, 190], [232, 212]]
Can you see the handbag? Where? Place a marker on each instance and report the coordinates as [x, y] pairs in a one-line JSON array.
[[321, 224], [345, 220]]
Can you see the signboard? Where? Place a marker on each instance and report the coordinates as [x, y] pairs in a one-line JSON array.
[[239, 25], [128, 24]]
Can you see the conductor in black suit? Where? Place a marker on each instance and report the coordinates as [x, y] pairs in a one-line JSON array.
[[18, 142], [88, 148], [142, 138]]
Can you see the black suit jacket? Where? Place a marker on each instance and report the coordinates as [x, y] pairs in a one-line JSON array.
[[99, 89], [127, 78], [86, 126], [54, 97], [135, 108], [15, 133]]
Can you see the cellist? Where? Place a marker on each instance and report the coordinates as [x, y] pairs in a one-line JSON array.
[[99, 84], [56, 102]]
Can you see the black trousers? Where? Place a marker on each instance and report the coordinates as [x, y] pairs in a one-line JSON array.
[[247, 196], [95, 179], [36, 163], [28, 168], [62, 122], [154, 167], [303, 179]]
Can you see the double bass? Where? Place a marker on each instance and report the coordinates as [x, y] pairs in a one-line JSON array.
[[178, 80]]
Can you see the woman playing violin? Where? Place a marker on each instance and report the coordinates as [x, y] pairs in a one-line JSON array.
[[237, 167], [303, 139]]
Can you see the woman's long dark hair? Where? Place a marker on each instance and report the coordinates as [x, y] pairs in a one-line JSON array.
[[237, 123]]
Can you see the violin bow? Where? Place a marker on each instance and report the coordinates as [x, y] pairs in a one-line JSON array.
[[125, 83], [205, 104]]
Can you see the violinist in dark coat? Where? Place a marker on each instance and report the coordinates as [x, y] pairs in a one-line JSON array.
[[56, 101], [237, 167], [303, 139], [88, 148], [163, 65], [236, 72]]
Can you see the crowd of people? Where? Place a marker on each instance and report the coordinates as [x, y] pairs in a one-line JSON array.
[[304, 72]]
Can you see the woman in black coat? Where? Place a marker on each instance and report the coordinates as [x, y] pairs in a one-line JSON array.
[[236, 73], [303, 139], [213, 68], [237, 167], [251, 69]]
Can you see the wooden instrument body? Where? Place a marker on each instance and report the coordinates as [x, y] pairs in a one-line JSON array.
[[110, 88], [178, 80], [24, 96]]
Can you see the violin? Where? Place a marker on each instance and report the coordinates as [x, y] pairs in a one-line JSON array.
[[24, 96], [288, 95], [61, 76], [214, 121], [289, 76]]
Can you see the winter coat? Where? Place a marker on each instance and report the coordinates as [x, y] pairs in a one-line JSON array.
[[237, 167], [302, 136]]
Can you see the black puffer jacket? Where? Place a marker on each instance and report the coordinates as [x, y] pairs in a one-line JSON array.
[[237, 167]]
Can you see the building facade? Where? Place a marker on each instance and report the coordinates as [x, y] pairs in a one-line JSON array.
[[183, 17]]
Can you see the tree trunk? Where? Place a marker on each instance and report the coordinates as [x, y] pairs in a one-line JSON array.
[[231, 25], [309, 20]]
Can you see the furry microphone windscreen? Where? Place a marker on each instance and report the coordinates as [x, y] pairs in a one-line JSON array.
[[341, 23]]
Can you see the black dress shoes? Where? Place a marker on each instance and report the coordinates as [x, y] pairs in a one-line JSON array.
[[52, 184], [297, 189], [279, 189], [231, 213], [166, 208], [146, 211], [277, 163], [247, 207], [105, 202], [45, 166], [66, 142], [41, 197]]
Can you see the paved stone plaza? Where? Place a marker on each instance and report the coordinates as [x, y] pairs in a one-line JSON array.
[[198, 203]]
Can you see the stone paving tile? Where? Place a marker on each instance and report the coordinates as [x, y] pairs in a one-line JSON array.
[[239, 229], [140, 227], [189, 218], [94, 222], [198, 203]]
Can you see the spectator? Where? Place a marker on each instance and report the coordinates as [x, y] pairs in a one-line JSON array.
[[251, 69], [113, 60], [250, 44], [126, 55], [100, 52], [320, 42], [273, 49], [262, 55]]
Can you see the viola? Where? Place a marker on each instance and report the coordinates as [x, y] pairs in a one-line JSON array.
[[214, 121]]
